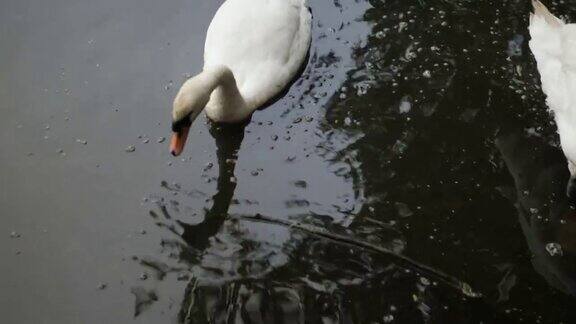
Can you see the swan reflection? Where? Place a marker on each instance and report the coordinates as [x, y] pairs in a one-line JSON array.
[[545, 216]]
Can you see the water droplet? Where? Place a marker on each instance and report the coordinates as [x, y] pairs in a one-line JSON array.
[[14, 234], [161, 139]]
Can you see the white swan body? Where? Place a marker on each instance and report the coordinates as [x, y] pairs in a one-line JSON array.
[[553, 44], [253, 49]]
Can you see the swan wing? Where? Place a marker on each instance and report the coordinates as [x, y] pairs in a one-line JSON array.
[[547, 44], [263, 42], [553, 44]]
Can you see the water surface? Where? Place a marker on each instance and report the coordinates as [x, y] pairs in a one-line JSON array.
[[417, 128]]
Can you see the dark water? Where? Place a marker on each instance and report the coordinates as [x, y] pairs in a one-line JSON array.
[[417, 129]]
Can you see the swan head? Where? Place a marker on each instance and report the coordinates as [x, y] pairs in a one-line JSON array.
[[188, 104]]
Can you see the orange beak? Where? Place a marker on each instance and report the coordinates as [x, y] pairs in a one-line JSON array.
[[178, 141]]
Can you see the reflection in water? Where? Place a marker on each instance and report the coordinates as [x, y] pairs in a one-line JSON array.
[[409, 136], [400, 133], [228, 139], [547, 220], [261, 270]]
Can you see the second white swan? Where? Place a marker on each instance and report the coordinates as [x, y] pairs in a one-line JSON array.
[[553, 43]]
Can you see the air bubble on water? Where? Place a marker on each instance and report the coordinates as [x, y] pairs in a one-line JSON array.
[[468, 291], [14, 234], [427, 74], [388, 318], [554, 249], [130, 149], [81, 141], [161, 140], [403, 209], [405, 105], [424, 281], [402, 25], [208, 166]]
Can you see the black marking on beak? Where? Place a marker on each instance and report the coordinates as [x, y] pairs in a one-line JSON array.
[[178, 125]]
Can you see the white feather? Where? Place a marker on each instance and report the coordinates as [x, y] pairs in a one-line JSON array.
[[553, 44]]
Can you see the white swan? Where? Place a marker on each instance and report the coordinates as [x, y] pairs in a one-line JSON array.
[[553, 44], [253, 49]]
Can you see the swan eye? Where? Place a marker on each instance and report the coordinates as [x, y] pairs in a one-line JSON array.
[[179, 125]]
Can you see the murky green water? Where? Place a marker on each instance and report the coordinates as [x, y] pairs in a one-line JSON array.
[[416, 131]]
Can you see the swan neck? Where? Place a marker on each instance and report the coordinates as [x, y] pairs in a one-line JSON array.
[[226, 102]]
